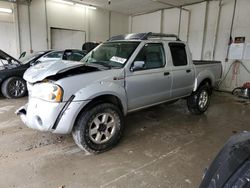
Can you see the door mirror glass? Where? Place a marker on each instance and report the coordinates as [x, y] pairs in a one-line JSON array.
[[137, 65]]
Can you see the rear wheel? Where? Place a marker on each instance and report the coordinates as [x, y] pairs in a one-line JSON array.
[[199, 101], [14, 87], [99, 128]]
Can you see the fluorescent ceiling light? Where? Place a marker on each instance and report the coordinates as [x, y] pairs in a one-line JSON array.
[[6, 10], [64, 2], [86, 6]]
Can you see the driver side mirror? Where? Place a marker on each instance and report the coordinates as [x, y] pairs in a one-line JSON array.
[[137, 65]]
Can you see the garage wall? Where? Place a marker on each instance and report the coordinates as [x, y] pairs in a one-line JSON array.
[[119, 24], [24, 28], [166, 21], [241, 28], [98, 24], [38, 25], [147, 22], [170, 22], [201, 36], [8, 30], [196, 28]]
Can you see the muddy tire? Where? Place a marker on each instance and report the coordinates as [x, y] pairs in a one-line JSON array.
[[199, 101], [99, 128], [14, 88]]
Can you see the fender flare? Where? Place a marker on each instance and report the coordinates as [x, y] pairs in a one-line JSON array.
[[203, 76], [102, 88]]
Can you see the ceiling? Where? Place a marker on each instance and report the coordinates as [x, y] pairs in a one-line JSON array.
[[137, 6], [130, 7]]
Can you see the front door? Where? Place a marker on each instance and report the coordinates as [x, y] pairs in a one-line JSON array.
[[151, 83]]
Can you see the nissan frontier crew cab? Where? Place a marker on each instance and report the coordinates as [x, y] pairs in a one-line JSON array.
[[122, 75]]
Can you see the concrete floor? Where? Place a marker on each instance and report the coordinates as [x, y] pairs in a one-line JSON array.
[[164, 146]]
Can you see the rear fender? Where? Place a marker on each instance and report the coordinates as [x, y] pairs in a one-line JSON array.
[[203, 76]]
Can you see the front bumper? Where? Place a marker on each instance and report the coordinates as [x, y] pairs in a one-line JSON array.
[[47, 116]]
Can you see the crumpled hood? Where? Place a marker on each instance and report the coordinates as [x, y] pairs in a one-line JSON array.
[[49, 68]]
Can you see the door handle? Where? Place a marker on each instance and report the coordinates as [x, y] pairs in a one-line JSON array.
[[188, 71], [166, 73]]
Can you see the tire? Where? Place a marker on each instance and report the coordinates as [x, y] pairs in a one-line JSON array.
[[199, 101], [92, 132], [14, 88]]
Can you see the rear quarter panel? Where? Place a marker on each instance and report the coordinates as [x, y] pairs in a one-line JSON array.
[[208, 71]]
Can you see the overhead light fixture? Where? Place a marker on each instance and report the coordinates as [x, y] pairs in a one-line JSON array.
[[77, 4], [64, 2], [6, 10], [86, 6]]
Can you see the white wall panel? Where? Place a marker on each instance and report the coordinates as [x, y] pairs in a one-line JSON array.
[[211, 30], [8, 31], [65, 16], [147, 22], [171, 21], [66, 39], [224, 30], [38, 25], [8, 38], [171, 18], [24, 28], [196, 30], [184, 25], [119, 24], [99, 25]]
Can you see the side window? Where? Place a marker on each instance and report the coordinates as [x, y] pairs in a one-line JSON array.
[[54, 55], [73, 55], [152, 55], [178, 53], [77, 56]]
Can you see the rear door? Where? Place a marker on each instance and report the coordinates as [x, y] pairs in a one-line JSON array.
[[151, 84], [182, 71]]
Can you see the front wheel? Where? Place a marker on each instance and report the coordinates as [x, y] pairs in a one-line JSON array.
[[14, 87], [199, 101], [99, 128]]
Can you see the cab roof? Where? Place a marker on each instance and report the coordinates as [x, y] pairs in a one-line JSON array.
[[143, 36]]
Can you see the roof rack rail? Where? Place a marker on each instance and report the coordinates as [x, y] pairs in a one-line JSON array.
[[143, 36], [159, 35]]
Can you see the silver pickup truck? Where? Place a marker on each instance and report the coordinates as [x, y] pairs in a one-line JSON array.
[[122, 75]]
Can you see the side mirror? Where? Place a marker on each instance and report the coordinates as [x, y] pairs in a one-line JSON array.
[[137, 65], [22, 55], [34, 62]]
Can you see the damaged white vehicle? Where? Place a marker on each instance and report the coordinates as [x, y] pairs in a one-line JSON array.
[[125, 74]]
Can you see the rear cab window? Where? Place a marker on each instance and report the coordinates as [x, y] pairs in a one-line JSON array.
[[178, 53]]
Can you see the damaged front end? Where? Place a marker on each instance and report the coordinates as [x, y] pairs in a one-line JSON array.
[[47, 105]]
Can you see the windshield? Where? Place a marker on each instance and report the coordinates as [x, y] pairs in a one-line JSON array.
[[30, 57], [111, 54]]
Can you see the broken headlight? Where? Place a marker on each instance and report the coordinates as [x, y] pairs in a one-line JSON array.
[[48, 92]]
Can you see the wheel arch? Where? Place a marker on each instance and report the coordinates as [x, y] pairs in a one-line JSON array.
[[104, 98], [204, 81], [110, 98]]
